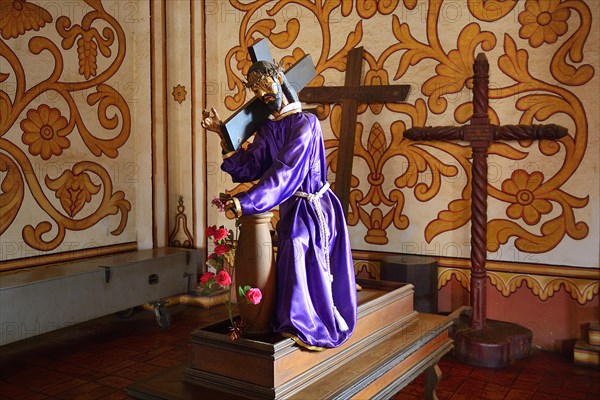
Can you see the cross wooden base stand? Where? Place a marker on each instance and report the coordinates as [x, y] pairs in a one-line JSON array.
[[493, 347]]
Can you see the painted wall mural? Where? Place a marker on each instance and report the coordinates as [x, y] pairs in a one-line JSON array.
[[413, 197], [65, 123]]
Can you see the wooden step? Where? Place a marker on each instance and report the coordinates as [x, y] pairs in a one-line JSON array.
[[391, 346], [586, 354], [391, 365], [278, 365], [594, 334]]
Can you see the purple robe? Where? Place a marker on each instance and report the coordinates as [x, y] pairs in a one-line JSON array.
[[287, 156]]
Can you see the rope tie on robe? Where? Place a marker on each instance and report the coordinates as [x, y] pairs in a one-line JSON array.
[[314, 200]]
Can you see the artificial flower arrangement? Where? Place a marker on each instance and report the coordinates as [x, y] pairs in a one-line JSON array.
[[221, 269]]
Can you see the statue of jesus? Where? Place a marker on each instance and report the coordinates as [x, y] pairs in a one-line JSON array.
[[316, 288]]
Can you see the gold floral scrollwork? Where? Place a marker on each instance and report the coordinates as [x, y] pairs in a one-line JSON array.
[[74, 188], [372, 269], [73, 191], [89, 40], [45, 130], [543, 287], [531, 196], [368, 8], [18, 17], [463, 276], [179, 93], [456, 68], [545, 21], [11, 192], [491, 10], [375, 155], [528, 203], [539, 212]]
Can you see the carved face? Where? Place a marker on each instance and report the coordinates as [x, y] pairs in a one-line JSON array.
[[268, 90]]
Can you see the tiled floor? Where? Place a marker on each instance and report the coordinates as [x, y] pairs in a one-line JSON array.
[[99, 359]]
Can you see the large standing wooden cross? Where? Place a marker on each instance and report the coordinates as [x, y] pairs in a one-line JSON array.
[[480, 134], [349, 96]]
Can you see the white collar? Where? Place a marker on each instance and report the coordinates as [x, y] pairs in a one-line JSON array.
[[290, 107]]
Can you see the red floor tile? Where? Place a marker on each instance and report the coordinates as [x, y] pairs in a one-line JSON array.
[[491, 395], [99, 359], [116, 381], [495, 388], [141, 357], [164, 362], [73, 370], [518, 394], [55, 388], [116, 365], [525, 385], [10, 391], [80, 392]]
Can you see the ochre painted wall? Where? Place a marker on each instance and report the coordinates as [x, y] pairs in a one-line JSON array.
[[74, 153], [100, 105], [408, 197], [97, 100]]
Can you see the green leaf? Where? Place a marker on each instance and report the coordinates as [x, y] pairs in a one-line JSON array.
[[246, 288], [241, 291]]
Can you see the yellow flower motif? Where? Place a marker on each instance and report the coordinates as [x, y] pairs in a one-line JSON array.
[[43, 132], [543, 21], [179, 93], [244, 62], [375, 77], [73, 191], [527, 204], [18, 17]]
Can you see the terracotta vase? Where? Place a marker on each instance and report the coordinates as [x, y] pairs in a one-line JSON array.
[[254, 266]]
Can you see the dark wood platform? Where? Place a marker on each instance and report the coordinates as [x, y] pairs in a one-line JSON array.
[[391, 346]]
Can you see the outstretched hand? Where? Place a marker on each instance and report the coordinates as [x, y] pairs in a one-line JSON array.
[[212, 122]]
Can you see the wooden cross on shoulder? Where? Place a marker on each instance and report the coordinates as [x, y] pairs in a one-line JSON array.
[[245, 122]]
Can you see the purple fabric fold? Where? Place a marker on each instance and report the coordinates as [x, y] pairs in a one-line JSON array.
[[289, 156]]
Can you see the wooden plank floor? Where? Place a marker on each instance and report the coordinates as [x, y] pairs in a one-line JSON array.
[[100, 358]]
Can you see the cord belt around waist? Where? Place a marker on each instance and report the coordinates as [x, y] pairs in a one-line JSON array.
[[314, 198]]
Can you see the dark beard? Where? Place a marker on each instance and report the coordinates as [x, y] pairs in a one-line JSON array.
[[277, 104]]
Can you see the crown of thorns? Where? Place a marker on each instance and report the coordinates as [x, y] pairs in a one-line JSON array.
[[268, 70]]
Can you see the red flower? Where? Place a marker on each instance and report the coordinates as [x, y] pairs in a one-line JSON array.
[[221, 249], [211, 230], [220, 234], [254, 296], [206, 277], [223, 278], [220, 204], [211, 256]]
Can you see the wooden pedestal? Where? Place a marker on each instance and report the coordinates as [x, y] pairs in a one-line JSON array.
[[392, 344], [496, 346], [421, 272]]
